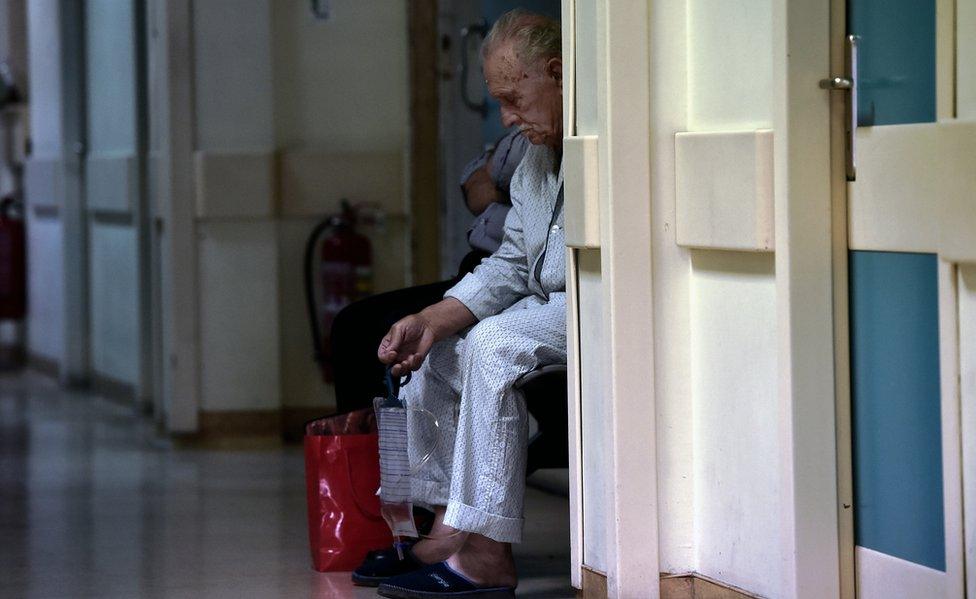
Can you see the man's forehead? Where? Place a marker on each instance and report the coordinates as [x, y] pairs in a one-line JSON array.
[[502, 68]]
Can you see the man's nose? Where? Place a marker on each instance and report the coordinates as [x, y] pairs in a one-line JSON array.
[[509, 118]]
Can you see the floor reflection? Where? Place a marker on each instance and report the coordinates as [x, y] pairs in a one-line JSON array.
[[93, 504]]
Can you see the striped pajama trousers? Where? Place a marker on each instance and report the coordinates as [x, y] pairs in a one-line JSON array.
[[476, 455]]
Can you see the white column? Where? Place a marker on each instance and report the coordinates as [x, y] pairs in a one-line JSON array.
[[171, 188], [804, 300]]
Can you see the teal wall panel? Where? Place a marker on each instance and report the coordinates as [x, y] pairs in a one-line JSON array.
[[896, 63], [898, 505]]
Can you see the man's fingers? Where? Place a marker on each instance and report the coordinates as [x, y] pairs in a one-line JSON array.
[[401, 368], [395, 337], [387, 351]]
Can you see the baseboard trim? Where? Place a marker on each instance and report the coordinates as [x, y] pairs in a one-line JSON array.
[[248, 429], [293, 419], [594, 585], [673, 586], [240, 423], [696, 586], [233, 429], [113, 389], [12, 357], [43, 365]]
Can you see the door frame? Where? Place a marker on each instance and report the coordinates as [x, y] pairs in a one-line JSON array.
[[142, 216], [424, 178], [75, 365], [841, 304]]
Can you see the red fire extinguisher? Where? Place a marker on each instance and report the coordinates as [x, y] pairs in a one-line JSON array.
[[344, 272], [13, 279]]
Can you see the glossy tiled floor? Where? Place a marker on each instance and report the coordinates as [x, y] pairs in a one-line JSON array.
[[93, 504]]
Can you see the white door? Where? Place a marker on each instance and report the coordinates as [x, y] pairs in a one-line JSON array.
[[116, 219], [911, 220]]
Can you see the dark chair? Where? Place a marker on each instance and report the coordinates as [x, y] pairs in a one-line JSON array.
[[545, 393]]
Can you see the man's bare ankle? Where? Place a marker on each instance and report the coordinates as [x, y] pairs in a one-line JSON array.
[[435, 548], [486, 562]]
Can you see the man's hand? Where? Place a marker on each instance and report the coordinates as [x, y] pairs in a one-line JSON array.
[[410, 339], [407, 344]]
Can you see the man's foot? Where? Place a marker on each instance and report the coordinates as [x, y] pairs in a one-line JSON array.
[[439, 582], [443, 542], [485, 562], [384, 564]]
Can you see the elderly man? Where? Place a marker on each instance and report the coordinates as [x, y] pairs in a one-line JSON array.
[[501, 321]]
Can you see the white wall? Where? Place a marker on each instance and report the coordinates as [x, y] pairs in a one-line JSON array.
[[730, 60], [237, 236], [239, 316], [341, 84], [715, 312], [735, 407], [340, 94], [676, 449], [45, 288], [595, 409], [44, 42], [232, 78], [716, 366]]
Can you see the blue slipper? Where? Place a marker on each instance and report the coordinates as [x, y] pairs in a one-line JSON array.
[[384, 564], [437, 582]]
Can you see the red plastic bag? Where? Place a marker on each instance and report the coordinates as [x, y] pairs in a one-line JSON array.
[[342, 473]]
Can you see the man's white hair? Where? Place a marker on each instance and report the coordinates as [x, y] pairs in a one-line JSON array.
[[535, 36]]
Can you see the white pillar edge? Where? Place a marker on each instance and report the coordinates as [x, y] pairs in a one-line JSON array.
[[809, 521], [627, 272], [180, 300]]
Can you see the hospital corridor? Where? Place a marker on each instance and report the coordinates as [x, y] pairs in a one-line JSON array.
[[488, 299]]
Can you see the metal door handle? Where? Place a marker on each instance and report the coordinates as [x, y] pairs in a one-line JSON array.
[[479, 29], [848, 84], [840, 83]]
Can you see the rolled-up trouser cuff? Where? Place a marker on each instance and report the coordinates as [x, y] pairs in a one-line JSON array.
[[471, 519], [429, 493]]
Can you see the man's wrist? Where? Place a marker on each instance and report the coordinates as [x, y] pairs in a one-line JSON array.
[[447, 317]]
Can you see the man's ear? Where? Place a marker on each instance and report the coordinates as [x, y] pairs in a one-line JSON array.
[[554, 69]]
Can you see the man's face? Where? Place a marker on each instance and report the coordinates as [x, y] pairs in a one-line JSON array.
[[531, 96]]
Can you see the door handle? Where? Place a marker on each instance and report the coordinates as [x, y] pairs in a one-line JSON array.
[[848, 84], [479, 29]]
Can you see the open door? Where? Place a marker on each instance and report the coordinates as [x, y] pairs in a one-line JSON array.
[[911, 171], [116, 218]]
